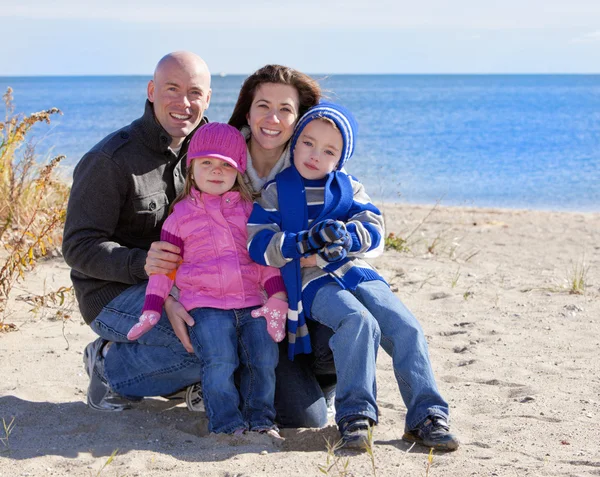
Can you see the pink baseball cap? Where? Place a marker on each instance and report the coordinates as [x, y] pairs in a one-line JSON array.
[[219, 141]]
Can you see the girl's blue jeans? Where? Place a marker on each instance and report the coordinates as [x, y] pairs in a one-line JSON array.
[[224, 340], [157, 364], [360, 319]]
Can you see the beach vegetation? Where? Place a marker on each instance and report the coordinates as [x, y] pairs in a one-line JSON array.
[[7, 429], [108, 461], [577, 277], [337, 465], [455, 278], [33, 199], [394, 242], [429, 462]]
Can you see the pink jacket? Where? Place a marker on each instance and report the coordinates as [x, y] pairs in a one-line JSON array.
[[216, 270]]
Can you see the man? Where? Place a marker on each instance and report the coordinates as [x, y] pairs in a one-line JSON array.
[[121, 192], [120, 197]]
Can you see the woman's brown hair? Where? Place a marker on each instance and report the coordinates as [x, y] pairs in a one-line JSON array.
[[309, 91]]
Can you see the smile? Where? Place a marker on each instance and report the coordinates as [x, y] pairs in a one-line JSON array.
[[269, 132], [181, 117]]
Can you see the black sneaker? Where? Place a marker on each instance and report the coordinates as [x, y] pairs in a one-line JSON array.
[[433, 432], [99, 395], [194, 399], [355, 432]]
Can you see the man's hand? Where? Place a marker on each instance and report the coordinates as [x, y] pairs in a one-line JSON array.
[[162, 258], [179, 317]]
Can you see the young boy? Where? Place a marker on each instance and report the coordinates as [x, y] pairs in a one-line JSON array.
[[316, 212]]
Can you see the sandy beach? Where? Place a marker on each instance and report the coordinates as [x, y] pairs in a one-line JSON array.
[[515, 352]]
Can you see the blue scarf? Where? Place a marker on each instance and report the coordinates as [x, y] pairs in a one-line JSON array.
[[294, 216]]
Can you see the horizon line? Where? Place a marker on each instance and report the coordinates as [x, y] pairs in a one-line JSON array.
[[224, 74]]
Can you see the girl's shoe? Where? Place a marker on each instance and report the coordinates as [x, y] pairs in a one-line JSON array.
[[273, 433], [355, 432]]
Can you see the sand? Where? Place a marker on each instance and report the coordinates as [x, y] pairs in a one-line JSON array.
[[515, 353]]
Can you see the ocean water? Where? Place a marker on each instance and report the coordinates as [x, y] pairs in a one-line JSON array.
[[512, 141]]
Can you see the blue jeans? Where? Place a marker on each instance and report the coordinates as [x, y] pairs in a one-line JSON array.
[[154, 365], [158, 364], [224, 339], [358, 317]]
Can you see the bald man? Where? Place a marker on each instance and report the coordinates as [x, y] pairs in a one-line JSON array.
[[120, 197]]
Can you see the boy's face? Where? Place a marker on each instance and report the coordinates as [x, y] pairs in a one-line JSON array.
[[318, 150]]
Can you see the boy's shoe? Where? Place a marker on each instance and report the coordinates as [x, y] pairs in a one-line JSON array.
[[433, 432], [194, 399], [99, 395], [355, 432]]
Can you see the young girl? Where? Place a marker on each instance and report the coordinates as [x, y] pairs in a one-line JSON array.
[[220, 286]]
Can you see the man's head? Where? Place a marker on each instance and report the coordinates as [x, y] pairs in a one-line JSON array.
[[323, 140], [180, 93]]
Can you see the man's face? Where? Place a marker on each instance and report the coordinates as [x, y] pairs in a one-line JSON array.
[[180, 92]]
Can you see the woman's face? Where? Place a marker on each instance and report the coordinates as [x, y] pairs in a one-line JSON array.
[[273, 115]]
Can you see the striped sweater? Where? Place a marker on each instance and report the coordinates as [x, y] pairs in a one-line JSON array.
[[270, 245]]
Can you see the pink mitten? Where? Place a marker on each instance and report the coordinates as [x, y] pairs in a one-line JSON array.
[[275, 312], [147, 321]]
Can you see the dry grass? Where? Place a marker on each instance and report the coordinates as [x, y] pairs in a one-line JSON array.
[[32, 200]]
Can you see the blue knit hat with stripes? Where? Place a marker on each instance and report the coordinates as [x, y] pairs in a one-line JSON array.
[[343, 119]]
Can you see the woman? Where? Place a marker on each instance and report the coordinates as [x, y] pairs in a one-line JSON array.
[[270, 102]]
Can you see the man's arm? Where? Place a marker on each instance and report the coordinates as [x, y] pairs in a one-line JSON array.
[[97, 196]]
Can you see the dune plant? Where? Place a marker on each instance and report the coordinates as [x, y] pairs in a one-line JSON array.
[[32, 199], [394, 242], [429, 462], [8, 428], [108, 461], [334, 464], [577, 277]]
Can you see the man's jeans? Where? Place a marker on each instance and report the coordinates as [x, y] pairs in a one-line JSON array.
[[158, 364], [358, 318], [224, 339]]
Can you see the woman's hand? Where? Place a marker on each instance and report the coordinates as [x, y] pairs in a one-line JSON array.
[[310, 261], [179, 318], [162, 258]]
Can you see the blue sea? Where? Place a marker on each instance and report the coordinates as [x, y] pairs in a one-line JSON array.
[[511, 141]]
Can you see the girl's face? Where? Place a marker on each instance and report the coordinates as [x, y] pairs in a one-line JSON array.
[[273, 115], [213, 176]]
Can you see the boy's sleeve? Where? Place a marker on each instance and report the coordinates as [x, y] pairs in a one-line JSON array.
[[159, 285], [266, 241], [365, 224]]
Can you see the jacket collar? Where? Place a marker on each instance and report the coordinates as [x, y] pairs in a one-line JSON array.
[[155, 136], [227, 200]]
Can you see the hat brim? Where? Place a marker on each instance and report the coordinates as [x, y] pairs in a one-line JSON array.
[[214, 155]]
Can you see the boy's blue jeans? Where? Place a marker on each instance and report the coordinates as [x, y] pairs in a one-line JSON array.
[[157, 364], [224, 339], [358, 318]]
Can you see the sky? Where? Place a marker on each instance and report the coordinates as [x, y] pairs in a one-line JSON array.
[[122, 37]]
